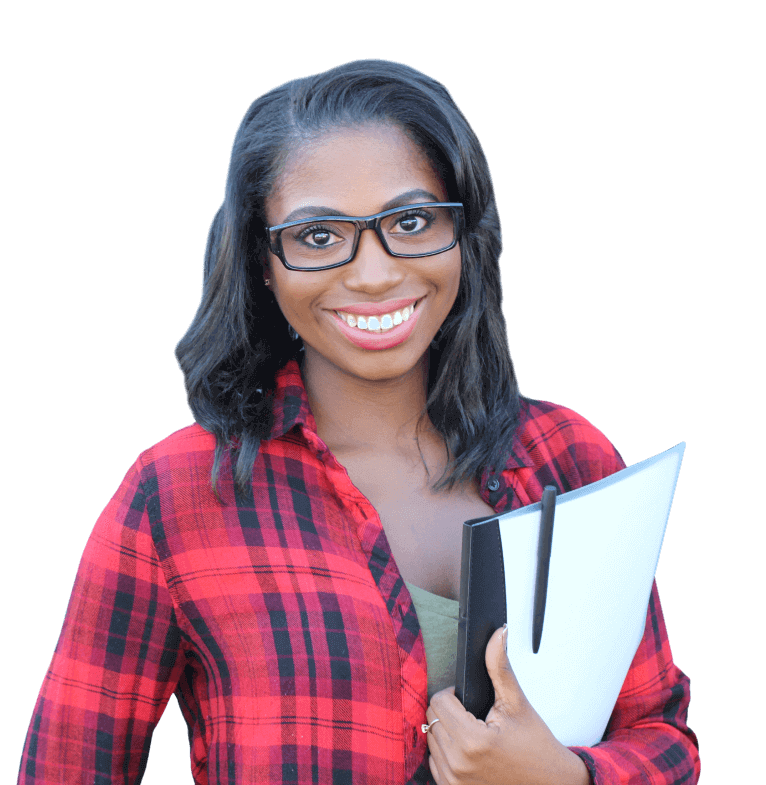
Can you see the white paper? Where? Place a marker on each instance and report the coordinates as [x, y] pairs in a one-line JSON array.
[[606, 543]]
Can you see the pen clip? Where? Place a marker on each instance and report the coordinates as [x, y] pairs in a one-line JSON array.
[[545, 542]]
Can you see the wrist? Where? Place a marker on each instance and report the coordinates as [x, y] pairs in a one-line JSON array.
[[577, 772]]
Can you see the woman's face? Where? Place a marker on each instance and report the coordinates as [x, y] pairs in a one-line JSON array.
[[358, 172]]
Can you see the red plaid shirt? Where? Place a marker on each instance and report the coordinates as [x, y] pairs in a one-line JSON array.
[[282, 625]]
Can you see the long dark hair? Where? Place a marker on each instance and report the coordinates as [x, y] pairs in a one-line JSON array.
[[239, 339]]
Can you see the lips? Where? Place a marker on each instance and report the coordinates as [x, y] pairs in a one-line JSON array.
[[377, 309], [383, 337]]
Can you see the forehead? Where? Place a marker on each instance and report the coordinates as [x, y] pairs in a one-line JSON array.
[[354, 171]]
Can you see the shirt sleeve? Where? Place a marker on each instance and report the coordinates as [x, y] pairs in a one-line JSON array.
[[117, 661], [647, 740]]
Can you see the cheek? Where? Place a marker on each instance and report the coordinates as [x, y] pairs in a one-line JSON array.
[[451, 287], [295, 293], [456, 269]]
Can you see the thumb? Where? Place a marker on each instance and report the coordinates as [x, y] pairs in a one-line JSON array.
[[509, 696]]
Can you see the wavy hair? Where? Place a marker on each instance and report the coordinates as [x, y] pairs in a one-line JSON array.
[[239, 339]]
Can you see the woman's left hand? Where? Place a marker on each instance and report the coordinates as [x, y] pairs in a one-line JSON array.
[[512, 747]]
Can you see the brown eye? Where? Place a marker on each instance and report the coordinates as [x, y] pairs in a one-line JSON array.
[[409, 224], [413, 221], [318, 236]]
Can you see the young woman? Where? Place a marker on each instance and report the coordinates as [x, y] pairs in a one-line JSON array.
[[288, 565]]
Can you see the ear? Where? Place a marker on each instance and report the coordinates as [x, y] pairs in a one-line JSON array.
[[266, 270]]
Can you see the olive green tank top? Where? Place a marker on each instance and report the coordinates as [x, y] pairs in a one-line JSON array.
[[438, 622]]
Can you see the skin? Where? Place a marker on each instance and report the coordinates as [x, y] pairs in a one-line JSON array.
[[513, 746], [368, 404], [383, 392]]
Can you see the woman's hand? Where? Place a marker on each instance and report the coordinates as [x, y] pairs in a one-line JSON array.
[[512, 747]]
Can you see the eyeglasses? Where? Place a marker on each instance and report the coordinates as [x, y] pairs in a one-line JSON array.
[[330, 241]]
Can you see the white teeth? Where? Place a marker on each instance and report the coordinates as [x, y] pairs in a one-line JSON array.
[[378, 323]]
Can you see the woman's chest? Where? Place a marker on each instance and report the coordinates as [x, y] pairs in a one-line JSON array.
[[423, 527]]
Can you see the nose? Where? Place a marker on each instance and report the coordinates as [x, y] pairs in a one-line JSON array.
[[373, 269], [370, 248]]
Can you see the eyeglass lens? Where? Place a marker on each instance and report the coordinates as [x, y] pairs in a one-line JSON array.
[[412, 231]]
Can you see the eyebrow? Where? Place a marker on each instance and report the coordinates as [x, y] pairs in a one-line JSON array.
[[409, 197]]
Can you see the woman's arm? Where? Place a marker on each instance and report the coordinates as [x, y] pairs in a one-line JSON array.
[[117, 660], [647, 739]]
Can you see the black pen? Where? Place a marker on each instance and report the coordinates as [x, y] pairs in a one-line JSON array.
[[543, 563]]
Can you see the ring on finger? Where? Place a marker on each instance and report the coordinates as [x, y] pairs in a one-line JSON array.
[[427, 727]]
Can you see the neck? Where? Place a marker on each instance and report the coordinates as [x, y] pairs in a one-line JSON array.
[[354, 414]]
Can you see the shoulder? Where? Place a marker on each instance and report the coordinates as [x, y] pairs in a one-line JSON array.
[[193, 439], [182, 458], [561, 443]]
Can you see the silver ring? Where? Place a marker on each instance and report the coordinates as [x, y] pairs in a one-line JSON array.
[[425, 728]]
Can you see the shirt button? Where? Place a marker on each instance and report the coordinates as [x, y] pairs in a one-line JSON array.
[[493, 484]]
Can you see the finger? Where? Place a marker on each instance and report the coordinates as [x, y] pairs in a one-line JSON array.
[[436, 771], [508, 694], [496, 659], [439, 743], [450, 711]]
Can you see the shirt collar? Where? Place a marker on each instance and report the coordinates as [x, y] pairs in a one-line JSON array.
[[291, 408], [519, 455], [291, 402]]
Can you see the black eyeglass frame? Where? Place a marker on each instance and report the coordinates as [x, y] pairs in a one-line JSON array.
[[361, 223]]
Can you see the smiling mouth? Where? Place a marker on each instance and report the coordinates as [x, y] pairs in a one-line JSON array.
[[380, 323]]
